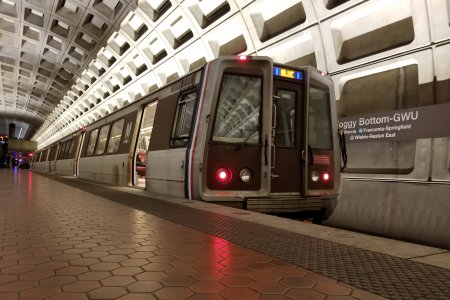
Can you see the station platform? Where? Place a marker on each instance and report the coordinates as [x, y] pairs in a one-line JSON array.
[[63, 238]]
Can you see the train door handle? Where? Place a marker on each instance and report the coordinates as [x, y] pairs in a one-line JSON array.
[[273, 156], [274, 176]]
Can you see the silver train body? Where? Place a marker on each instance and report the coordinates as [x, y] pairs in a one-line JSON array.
[[240, 131]]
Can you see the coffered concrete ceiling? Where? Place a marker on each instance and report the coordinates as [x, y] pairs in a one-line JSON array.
[[44, 46]]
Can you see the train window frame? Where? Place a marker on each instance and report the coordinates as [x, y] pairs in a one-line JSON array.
[[295, 133], [58, 148], [50, 152], [261, 109], [45, 158], [58, 156], [128, 132], [175, 137], [116, 147], [322, 88], [55, 151], [94, 141], [72, 149], [63, 149], [67, 149], [108, 127]]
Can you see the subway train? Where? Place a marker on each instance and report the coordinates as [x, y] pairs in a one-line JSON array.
[[240, 131]]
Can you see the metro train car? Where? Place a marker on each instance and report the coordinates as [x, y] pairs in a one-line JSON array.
[[39, 160], [240, 131]]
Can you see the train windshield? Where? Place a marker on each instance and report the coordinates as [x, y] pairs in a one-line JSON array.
[[319, 119], [238, 113]]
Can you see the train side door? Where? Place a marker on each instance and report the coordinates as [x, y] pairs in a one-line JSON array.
[[143, 142], [288, 137], [78, 154]]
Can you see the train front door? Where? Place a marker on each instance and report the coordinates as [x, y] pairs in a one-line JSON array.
[[288, 137]]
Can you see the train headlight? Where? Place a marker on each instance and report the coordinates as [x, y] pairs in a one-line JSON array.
[[245, 175], [223, 175], [315, 176]]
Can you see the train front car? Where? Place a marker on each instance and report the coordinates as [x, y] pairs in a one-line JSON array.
[[265, 138]]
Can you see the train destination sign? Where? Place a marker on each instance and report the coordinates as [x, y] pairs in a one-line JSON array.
[[405, 124], [287, 73]]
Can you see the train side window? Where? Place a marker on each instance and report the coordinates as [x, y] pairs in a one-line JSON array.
[[53, 152], [63, 150], [92, 142], [45, 155], [319, 132], [185, 111], [67, 149], [116, 134], [71, 151], [126, 138], [50, 153], [238, 112], [102, 139], [61, 145]]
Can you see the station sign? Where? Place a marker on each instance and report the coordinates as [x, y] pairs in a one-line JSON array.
[[422, 122]]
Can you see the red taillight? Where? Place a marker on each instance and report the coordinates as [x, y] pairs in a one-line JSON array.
[[326, 176], [223, 175]]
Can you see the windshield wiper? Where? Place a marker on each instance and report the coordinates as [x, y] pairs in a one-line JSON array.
[[241, 145]]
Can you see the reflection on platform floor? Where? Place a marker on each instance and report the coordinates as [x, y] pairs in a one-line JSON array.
[[60, 242], [83, 224], [140, 181]]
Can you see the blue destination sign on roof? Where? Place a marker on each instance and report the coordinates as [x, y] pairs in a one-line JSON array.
[[287, 73]]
